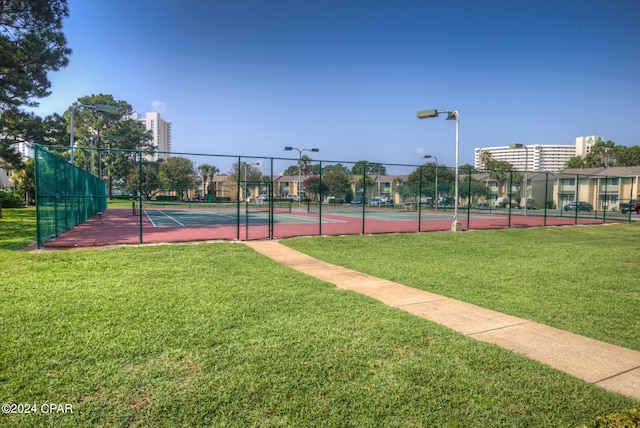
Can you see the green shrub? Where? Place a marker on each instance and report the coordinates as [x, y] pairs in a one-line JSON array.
[[348, 195], [627, 419], [9, 199]]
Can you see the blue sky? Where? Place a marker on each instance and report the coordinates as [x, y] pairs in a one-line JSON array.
[[247, 77]]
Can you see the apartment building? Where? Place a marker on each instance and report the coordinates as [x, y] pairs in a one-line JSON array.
[[584, 144], [535, 157], [5, 179], [538, 157], [604, 188], [161, 131], [26, 151]]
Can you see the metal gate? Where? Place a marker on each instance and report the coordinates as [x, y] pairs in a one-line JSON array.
[[258, 210]]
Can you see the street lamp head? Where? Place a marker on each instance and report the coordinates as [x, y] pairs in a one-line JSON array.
[[452, 115], [516, 146], [425, 114], [289, 148], [426, 156], [113, 137], [106, 108]]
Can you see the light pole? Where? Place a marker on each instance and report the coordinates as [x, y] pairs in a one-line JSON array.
[[246, 166], [429, 157], [98, 107], [526, 169], [108, 137], [451, 115], [288, 149]]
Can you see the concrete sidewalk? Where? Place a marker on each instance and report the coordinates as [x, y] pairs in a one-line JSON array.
[[612, 367]]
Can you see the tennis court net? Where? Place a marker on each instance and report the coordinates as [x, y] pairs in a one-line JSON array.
[[277, 207]]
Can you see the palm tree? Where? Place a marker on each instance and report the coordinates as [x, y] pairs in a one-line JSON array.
[[499, 170], [207, 172], [24, 180], [305, 165], [485, 158]]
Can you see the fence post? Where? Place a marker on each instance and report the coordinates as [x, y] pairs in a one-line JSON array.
[[510, 197], [575, 199], [631, 197], [238, 198], [271, 202], [420, 200], [320, 204], [36, 182], [140, 190], [364, 193], [546, 196], [605, 205], [469, 200]]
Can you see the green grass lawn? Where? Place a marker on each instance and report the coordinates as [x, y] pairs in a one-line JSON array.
[[581, 279], [17, 228], [218, 335]]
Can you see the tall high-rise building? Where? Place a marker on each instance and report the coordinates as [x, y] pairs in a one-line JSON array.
[[584, 144], [25, 149], [541, 157], [161, 131]]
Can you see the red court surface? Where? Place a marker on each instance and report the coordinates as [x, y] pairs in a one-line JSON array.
[[118, 226]]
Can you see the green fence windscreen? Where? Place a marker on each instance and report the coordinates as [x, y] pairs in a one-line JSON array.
[[66, 195]]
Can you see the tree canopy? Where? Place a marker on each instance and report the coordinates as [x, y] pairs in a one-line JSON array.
[[606, 155], [150, 183], [315, 187], [365, 167], [177, 174], [336, 178], [32, 44]]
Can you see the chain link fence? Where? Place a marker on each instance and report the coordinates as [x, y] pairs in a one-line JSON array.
[[163, 197]]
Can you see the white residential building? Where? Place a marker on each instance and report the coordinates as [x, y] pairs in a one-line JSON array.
[[161, 131], [584, 144], [541, 157], [5, 179], [26, 151]]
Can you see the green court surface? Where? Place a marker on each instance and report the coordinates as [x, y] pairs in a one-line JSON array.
[[218, 217], [226, 216], [392, 214]]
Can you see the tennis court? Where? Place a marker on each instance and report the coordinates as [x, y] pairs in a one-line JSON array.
[[184, 222], [190, 215], [162, 217], [73, 207]]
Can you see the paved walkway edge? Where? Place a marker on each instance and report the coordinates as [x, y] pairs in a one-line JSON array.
[[612, 367]]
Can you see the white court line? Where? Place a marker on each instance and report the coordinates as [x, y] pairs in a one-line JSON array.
[[162, 212], [149, 217]]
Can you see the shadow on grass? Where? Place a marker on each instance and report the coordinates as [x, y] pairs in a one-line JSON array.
[[17, 228]]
